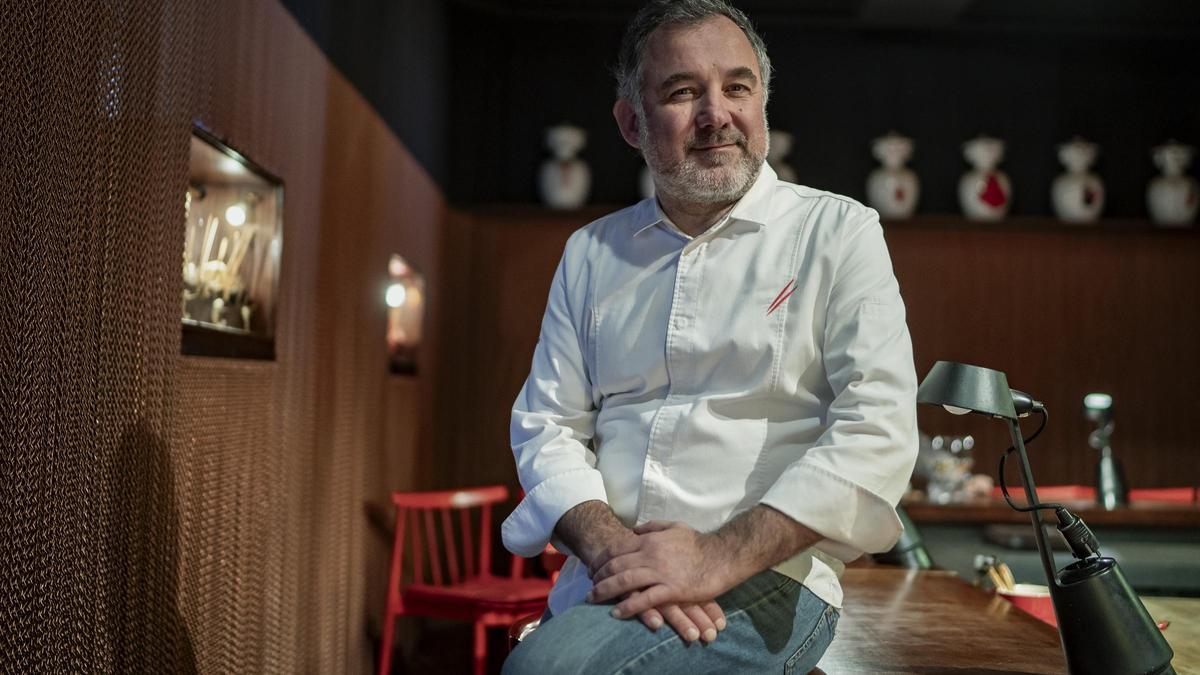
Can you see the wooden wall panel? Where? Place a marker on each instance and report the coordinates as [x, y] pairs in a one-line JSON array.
[[1064, 311], [323, 430], [498, 264]]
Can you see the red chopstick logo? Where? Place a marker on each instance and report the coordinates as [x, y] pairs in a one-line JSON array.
[[782, 297]]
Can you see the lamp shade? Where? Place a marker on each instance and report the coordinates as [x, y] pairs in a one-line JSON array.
[[974, 388]]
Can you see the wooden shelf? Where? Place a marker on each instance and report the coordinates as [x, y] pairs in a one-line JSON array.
[[1138, 514], [1041, 223], [1023, 223]]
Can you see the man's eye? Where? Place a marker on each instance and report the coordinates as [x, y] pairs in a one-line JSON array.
[[738, 89], [685, 92]]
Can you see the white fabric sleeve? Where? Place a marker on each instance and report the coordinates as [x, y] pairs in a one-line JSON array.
[[553, 421], [847, 485]]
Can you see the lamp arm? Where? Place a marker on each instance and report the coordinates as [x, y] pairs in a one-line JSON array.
[[1031, 496]]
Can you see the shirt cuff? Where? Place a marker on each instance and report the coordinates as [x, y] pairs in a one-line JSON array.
[[853, 519], [527, 530]]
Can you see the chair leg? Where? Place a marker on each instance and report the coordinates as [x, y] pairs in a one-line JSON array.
[[480, 648], [385, 645]]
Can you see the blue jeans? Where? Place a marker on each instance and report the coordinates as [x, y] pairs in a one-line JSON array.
[[773, 625]]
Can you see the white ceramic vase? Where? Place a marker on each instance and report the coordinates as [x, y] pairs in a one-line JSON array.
[[893, 188], [984, 192], [1173, 198], [778, 148], [564, 180], [1078, 194]]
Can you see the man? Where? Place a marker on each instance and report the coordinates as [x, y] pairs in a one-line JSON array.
[[721, 407]]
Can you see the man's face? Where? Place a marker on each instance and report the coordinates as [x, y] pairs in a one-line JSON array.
[[703, 127]]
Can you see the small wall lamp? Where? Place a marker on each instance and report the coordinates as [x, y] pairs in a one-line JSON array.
[[1103, 625], [405, 299]]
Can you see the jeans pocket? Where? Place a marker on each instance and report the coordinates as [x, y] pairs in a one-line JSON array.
[[823, 629]]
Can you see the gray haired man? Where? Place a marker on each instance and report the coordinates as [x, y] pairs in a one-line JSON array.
[[721, 407]]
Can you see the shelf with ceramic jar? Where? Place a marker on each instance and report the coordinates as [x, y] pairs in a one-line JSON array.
[[985, 192], [1033, 223]]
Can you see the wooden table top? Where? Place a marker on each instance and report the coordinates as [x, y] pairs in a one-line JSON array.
[[1183, 629], [902, 621], [1138, 514]]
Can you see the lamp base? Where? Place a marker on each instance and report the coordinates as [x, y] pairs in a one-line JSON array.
[[1104, 626]]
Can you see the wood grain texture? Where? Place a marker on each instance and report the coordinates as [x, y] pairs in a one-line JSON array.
[[898, 621], [1063, 310], [1183, 631]]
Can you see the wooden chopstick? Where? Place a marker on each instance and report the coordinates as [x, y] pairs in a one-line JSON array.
[[1007, 575], [997, 580]]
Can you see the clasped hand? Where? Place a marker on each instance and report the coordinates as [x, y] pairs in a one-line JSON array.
[[668, 571]]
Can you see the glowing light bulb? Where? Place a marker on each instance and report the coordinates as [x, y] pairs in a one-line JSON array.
[[235, 215], [396, 295], [955, 410], [1097, 401]]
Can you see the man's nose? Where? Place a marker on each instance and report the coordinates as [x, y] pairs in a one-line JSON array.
[[713, 112]]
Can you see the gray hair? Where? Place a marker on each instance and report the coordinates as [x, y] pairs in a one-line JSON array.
[[659, 13]]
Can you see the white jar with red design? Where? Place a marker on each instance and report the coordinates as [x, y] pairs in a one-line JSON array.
[[984, 192], [564, 180], [1078, 194], [893, 188], [1173, 198]]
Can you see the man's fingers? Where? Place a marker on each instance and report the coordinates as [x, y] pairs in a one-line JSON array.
[[618, 548], [619, 564], [654, 596], [652, 619], [680, 622], [627, 581], [708, 630], [654, 526], [714, 612]]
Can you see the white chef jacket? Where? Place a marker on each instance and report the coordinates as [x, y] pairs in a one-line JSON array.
[[765, 361]]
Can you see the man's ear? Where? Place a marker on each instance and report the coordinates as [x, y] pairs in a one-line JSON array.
[[627, 121]]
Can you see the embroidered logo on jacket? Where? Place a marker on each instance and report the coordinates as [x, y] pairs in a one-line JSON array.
[[782, 297]]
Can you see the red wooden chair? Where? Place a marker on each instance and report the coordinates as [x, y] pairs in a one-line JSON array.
[[467, 591], [552, 561]]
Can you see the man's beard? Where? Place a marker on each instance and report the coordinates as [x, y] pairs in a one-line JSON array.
[[722, 181]]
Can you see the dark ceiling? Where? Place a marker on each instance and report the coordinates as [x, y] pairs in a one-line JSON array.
[[1167, 18]]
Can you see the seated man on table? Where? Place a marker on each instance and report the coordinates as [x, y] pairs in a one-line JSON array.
[[721, 407]]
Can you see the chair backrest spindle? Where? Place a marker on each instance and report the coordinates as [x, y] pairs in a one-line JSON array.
[[451, 547], [418, 554], [435, 561], [485, 541], [468, 543]]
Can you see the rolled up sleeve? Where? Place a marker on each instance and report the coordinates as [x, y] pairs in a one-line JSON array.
[[847, 485], [553, 421]]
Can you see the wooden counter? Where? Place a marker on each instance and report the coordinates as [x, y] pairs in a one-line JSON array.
[[900, 621], [1137, 515]]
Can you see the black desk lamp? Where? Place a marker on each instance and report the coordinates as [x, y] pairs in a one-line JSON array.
[[1103, 625]]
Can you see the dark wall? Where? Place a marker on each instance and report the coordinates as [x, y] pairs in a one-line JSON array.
[[837, 86], [395, 55]]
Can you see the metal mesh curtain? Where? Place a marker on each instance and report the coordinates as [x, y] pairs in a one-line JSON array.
[[144, 527], [92, 158]]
